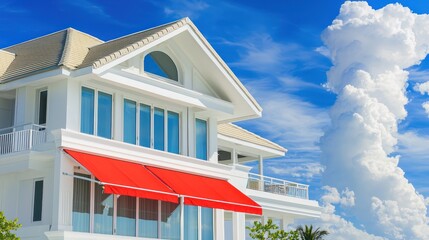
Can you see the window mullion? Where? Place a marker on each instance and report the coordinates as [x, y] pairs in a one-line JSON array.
[[165, 130], [137, 123], [137, 215], [152, 126], [95, 113], [91, 205]]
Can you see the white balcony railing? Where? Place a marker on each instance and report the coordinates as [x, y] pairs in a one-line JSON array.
[[21, 138], [277, 186]]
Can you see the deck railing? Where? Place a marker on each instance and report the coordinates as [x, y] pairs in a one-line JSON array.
[[21, 138], [277, 186]]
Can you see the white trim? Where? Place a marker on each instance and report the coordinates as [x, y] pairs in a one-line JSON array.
[[250, 145]]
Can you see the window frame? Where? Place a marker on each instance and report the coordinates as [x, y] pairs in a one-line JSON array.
[[207, 136], [34, 202], [97, 89], [173, 57], [166, 109], [37, 107]]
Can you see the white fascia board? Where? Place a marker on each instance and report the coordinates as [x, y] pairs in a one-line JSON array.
[[251, 145], [132, 54], [167, 91], [224, 72], [68, 139], [28, 80]]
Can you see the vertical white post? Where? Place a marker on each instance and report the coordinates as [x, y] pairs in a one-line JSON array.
[[234, 157], [261, 172], [182, 218], [285, 221], [219, 224], [238, 226]]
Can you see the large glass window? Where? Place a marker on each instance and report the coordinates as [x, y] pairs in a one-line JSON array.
[[104, 113], [87, 111], [129, 121], [148, 218], [37, 200], [104, 123], [170, 220], [173, 132], [158, 120], [191, 220], [81, 204], [145, 125], [155, 127], [201, 139], [103, 211], [126, 216]]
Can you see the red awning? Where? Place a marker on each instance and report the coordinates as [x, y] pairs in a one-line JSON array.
[[133, 179], [125, 178], [207, 192]]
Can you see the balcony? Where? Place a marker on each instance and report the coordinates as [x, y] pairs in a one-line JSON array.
[[277, 186], [21, 138]]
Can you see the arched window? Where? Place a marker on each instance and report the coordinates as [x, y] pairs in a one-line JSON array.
[[160, 64]]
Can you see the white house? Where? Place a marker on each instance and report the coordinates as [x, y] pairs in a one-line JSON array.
[[133, 139]]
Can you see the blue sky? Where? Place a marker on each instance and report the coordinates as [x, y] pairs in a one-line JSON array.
[[274, 47]]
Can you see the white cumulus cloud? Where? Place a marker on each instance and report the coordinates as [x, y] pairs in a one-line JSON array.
[[425, 106], [423, 88], [370, 50]]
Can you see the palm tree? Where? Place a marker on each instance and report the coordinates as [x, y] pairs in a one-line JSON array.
[[309, 234]]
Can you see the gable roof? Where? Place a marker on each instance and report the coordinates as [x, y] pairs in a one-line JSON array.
[[236, 132], [74, 49]]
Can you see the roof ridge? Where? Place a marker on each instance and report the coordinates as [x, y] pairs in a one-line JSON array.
[[256, 135], [136, 45], [6, 52], [64, 51], [145, 30]]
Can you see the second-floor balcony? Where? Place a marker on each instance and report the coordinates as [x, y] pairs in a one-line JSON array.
[[21, 138], [277, 186]]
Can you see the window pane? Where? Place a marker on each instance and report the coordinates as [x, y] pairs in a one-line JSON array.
[[38, 200], [170, 220], [126, 216], [145, 125], [43, 105], [191, 222], [173, 132], [104, 124], [87, 111], [129, 121], [148, 218], [159, 129], [207, 223], [201, 139], [103, 211], [81, 203]]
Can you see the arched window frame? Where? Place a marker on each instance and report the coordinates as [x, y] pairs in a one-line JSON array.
[[173, 58]]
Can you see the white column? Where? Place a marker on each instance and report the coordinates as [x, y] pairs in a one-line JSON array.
[[239, 226], [212, 138], [118, 116], [234, 157], [285, 221], [261, 173], [182, 219], [24, 106], [219, 223], [62, 193]]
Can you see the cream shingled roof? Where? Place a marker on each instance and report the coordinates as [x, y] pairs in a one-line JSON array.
[[234, 131], [74, 49]]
